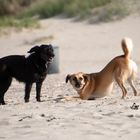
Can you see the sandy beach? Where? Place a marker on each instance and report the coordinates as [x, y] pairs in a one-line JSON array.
[[82, 47]]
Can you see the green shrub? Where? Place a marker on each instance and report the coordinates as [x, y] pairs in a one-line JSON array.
[[24, 13], [83, 8], [23, 23], [45, 8], [12, 7], [49, 8], [113, 11]]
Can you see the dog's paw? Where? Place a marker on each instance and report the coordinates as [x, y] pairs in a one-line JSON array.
[[70, 98], [38, 100], [3, 103], [67, 98], [26, 100]]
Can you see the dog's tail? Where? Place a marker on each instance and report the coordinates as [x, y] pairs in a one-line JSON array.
[[127, 46]]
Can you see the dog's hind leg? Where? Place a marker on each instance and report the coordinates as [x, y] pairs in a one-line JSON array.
[[121, 85], [28, 87], [119, 75], [130, 81], [5, 82]]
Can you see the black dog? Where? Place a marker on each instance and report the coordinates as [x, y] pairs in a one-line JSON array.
[[31, 69]]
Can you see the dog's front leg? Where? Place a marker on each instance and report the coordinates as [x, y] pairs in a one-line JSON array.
[[84, 96], [28, 87], [70, 98], [38, 90]]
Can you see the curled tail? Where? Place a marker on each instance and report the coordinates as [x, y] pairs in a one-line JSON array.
[[127, 46]]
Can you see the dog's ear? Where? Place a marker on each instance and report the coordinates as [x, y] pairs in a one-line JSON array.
[[34, 49], [86, 77], [68, 78]]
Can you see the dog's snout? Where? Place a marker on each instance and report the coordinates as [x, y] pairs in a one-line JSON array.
[[77, 85], [52, 55]]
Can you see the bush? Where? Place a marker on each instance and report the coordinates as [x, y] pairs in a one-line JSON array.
[[24, 11], [113, 11], [12, 7], [23, 23], [49, 8], [83, 8], [44, 8]]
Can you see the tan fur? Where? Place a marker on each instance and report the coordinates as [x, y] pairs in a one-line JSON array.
[[120, 69]]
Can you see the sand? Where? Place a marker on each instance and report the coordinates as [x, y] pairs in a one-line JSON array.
[[83, 47]]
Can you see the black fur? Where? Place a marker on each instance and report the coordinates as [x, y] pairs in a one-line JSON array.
[[67, 78], [31, 69]]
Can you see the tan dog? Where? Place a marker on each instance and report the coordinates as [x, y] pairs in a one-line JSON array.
[[95, 85]]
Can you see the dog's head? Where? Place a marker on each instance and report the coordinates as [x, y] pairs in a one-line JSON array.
[[78, 80], [44, 51]]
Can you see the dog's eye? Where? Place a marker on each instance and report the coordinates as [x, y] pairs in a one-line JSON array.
[[80, 78], [74, 79]]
